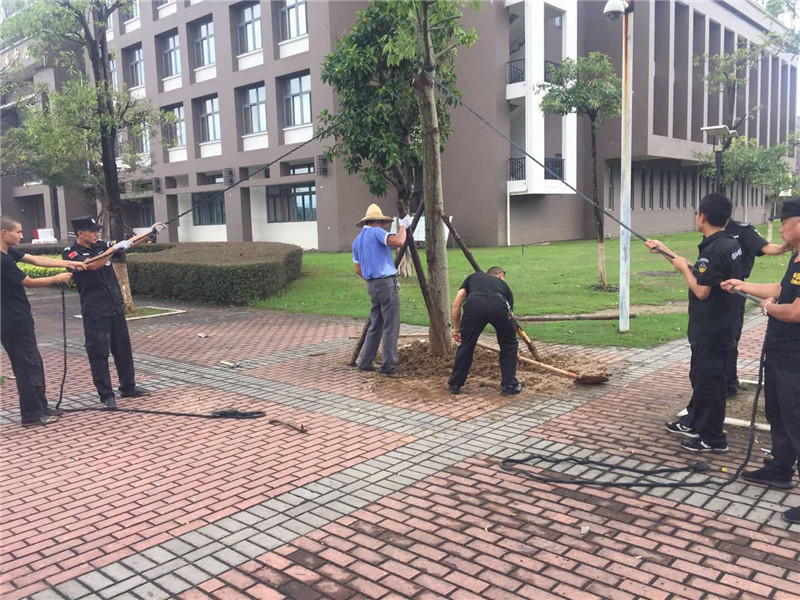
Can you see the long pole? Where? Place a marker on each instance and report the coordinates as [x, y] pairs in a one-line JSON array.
[[625, 172], [717, 169]]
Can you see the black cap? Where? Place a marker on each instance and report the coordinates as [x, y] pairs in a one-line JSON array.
[[791, 208], [87, 223]]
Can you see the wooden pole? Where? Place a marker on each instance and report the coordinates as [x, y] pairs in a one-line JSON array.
[[549, 318], [474, 263], [397, 259]]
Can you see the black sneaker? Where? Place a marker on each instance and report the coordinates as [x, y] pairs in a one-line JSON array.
[[390, 373], [110, 403], [677, 428], [44, 420], [764, 477], [136, 392], [511, 390], [55, 412], [454, 389], [698, 445], [368, 369], [792, 515]]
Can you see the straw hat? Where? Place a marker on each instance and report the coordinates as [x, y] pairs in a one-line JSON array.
[[374, 213]]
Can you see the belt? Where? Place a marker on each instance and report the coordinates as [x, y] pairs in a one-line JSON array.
[[384, 277]]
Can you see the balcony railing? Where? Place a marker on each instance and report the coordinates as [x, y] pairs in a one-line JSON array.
[[516, 169], [554, 168], [516, 70]]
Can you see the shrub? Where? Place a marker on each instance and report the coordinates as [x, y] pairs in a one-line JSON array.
[[215, 272], [35, 272], [56, 249]]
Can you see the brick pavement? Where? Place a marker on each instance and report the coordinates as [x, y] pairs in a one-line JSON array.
[[384, 498]]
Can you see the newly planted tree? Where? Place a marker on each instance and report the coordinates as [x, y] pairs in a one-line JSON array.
[[587, 86]]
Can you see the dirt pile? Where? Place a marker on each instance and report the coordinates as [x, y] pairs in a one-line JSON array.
[[427, 373]]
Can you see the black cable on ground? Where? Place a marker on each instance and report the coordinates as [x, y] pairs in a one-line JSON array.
[[508, 464]]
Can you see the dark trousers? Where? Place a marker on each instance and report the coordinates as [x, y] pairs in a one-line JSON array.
[[479, 311], [732, 377], [384, 324], [104, 334], [782, 404], [706, 410], [26, 363]]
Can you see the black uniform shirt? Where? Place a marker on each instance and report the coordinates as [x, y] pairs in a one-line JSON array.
[[711, 321], [488, 285], [780, 331], [99, 290], [750, 241], [16, 310]]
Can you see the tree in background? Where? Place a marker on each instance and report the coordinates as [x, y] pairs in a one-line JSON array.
[[69, 33], [586, 86], [385, 72]]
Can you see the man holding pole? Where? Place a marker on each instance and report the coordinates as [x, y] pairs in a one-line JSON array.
[[782, 359], [102, 308], [712, 323], [372, 257]]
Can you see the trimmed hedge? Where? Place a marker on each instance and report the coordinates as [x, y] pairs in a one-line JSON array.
[[215, 272], [57, 249]]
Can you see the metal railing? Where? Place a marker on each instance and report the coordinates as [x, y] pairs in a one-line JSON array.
[[554, 168], [516, 70], [516, 169]]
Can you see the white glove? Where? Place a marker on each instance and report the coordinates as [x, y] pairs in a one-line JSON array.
[[122, 246], [406, 221], [157, 227]]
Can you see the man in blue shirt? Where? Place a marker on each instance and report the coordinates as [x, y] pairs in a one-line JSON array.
[[372, 256]]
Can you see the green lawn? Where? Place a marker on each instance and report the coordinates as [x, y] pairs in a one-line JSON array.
[[545, 279]]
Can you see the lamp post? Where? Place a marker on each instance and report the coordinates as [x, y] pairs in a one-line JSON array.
[[718, 132], [614, 9]]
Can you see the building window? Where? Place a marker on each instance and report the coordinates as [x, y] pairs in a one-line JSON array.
[[661, 190], [293, 19], [204, 50], [170, 55], [130, 12], [254, 109], [297, 100], [209, 119], [292, 203], [669, 191], [301, 169], [143, 214], [141, 140], [685, 187], [175, 132], [208, 208], [643, 197], [652, 188], [611, 188], [134, 59], [694, 190], [112, 71], [248, 28], [162, 2]]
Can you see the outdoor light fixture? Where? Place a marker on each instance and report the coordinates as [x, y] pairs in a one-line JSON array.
[[614, 9], [719, 131]]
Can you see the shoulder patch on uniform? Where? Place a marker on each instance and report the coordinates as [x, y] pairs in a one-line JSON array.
[[72, 254], [736, 254], [795, 279], [702, 265]]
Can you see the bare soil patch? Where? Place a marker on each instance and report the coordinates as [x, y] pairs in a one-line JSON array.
[[741, 405], [424, 377]]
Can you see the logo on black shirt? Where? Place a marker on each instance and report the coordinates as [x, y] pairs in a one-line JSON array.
[[702, 265]]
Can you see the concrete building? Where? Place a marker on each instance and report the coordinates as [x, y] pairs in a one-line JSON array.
[[243, 80]]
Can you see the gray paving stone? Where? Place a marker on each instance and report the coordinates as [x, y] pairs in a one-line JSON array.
[[167, 567], [95, 580], [211, 565], [73, 589], [158, 555], [117, 572], [47, 595], [172, 584], [115, 591], [230, 557], [198, 540], [148, 591], [192, 574], [177, 546], [248, 549]]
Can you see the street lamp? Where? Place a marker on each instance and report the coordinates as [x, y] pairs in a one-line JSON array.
[[718, 131], [614, 9]]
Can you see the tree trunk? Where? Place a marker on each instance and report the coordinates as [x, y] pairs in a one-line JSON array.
[[406, 268], [440, 338], [598, 214], [98, 57]]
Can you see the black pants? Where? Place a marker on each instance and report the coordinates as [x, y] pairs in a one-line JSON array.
[[706, 410], [782, 404], [26, 363], [104, 334], [478, 312], [732, 377]]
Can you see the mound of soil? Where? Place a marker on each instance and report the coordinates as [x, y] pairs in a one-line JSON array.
[[741, 405], [427, 373]]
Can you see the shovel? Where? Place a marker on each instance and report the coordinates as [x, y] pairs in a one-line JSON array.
[[584, 379], [526, 339]]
